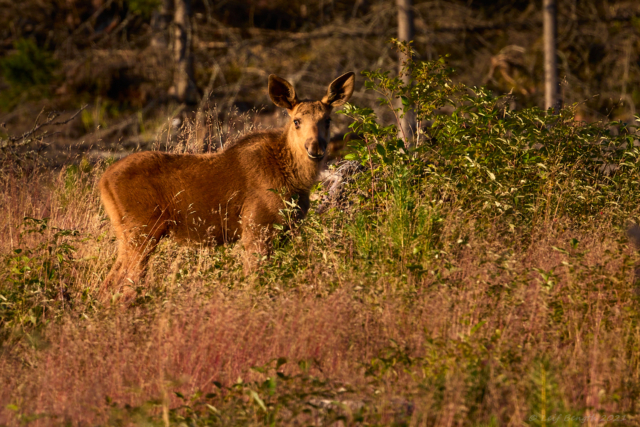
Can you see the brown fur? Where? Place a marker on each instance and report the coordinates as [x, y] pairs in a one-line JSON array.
[[217, 198]]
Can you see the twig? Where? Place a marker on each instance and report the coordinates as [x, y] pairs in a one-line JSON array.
[[116, 30], [53, 115], [209, 89], [134, 118], [86, 23]]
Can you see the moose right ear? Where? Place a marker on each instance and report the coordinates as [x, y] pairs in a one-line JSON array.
[[282, 93]]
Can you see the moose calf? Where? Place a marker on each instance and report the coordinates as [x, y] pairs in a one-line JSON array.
[[217, 198]]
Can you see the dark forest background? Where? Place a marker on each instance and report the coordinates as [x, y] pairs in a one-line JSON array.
[[119, 56]]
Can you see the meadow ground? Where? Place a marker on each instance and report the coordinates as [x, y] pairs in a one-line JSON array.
[[482, 278]]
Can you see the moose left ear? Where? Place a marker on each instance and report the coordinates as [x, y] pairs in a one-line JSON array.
[[340, 90]]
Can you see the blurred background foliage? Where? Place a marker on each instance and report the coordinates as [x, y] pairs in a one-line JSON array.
[[63, 53]]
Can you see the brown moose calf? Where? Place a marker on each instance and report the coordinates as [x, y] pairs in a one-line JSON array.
[[217, 198]]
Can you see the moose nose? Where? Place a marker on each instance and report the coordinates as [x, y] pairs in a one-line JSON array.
[[315, 149]]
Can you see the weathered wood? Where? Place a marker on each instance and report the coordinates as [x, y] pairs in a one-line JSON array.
[[183, 82], [550, 54], [406, 33]]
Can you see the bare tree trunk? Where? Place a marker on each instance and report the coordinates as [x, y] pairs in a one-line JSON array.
[[405, 33], [159, 23], [550, 55], [183, 84]]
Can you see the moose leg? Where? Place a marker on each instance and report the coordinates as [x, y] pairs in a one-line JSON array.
[[254, 249], [256, 240], [131, 265]]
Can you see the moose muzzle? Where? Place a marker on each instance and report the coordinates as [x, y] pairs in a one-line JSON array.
[[316, 148]]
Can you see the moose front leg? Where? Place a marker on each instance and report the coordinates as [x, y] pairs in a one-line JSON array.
[[256, 241], [258, 231]]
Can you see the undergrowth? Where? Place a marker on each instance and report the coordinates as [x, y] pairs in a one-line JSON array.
[[476, 273]]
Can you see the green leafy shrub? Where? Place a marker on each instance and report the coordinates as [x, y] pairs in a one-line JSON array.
[[520, 167], [33, 279]]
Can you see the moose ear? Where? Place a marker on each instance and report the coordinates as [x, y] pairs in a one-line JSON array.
[[340, 90], [282, 93]]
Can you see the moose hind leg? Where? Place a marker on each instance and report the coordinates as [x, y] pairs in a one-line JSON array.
[[130, 267], [128, 270]]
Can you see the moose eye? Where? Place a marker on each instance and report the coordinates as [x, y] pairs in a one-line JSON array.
[[297, 123]]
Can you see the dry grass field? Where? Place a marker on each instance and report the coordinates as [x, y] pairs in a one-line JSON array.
[[483, 278]]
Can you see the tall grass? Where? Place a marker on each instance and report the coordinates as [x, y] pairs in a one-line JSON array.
[[442, 290]]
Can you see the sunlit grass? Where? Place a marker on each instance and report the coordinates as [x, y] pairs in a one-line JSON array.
[[431, 294]]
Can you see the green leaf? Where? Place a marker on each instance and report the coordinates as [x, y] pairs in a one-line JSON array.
[[477, 326]]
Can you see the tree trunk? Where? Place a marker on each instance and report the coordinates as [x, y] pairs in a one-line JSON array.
[[405, 33], [550, 55], [159, 23], [183, 84]]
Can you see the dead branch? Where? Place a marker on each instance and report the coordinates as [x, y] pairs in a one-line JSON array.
[[89, 22], [26, 138]]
